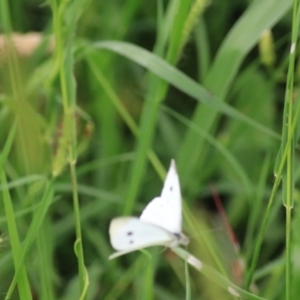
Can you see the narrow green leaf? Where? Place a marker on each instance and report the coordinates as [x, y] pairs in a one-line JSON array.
[[23, 283]]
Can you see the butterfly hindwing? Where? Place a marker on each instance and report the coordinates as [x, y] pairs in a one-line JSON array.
[[130, 233]]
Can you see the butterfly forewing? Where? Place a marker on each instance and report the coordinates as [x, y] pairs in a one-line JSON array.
[[165, 211]]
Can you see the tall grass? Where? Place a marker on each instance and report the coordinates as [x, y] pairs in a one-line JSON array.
[[95, 106]]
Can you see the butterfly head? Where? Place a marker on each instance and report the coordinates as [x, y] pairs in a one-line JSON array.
[[181, 239]]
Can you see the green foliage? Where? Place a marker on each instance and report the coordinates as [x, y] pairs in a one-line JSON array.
[[95, 105]]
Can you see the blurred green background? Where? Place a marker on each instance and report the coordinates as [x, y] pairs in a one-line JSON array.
[[96, 98]]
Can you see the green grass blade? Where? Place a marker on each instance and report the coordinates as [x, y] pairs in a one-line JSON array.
[[45, 245], [32, 234], [124, 113], [181, 81], [23, 283], [148, 280], [236, 166], [122, 283], [65, 24], [288, 175], [22, 181], [187, 281], [240, 40], [6, 149], [257, 203], [215, 276], [284, 165]]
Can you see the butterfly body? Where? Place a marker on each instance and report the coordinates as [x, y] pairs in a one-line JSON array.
[[159, 223]]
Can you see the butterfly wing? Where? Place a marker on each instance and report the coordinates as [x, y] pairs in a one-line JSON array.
[[165, 211], [128, 234]]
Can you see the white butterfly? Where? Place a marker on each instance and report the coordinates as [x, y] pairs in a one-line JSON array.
[[159, 224]]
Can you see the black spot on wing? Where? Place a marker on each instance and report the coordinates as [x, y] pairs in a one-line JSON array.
[[130, 233], [171, 188], [177, 235]]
